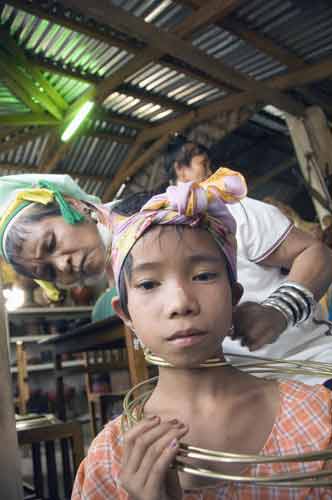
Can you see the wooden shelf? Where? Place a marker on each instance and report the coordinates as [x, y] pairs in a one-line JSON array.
[[49, 366], [30, 338], [50, 312]]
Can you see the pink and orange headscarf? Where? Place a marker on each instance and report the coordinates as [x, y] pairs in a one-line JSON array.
[[192, 204]]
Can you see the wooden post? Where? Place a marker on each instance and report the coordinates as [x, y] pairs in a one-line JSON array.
[[10, 472], [311, 161], [137, 365]]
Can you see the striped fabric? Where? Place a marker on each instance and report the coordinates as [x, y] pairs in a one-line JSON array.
[[302, 425]]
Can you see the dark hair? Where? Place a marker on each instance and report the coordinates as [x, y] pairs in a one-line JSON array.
[[129, 206], [21, 229], [176, 151]]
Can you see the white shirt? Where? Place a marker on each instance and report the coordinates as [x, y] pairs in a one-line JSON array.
[[261, 228]]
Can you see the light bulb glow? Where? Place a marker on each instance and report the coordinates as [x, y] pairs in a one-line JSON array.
[[77, 120], [14, 298]]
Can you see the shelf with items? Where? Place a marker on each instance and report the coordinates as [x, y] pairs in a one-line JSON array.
[[50, 366], [29, 327]]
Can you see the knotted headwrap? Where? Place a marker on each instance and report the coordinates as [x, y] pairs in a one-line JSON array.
[[192, 204]]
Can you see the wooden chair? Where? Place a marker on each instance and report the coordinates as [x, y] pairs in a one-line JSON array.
[[46, 434], [102, 397], [22, 379]]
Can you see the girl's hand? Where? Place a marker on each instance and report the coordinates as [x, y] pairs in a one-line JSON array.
[[149, 449]]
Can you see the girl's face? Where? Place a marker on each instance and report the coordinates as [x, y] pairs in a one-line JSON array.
[[69, 255], [179, 295]]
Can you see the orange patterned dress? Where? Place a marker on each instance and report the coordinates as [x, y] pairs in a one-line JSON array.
[[303, 424]]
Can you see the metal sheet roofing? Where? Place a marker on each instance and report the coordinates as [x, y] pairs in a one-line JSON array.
[[303, 28]]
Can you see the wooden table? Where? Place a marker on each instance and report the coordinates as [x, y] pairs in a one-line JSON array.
[[106, 334]]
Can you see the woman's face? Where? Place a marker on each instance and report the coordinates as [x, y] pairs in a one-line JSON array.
[[66, 254], [179, 295], [198, 168]]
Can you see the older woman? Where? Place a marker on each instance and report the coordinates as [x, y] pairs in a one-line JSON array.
[[51, 230]]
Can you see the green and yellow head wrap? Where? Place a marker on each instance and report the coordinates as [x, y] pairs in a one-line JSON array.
[[19, 191]]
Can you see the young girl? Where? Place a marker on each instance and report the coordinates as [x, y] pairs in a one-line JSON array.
[[175, 267]]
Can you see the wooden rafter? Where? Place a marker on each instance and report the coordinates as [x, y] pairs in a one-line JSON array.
[[171, 44], [59, 16], [266, 46], [125, 88], [135, 165], [20, 58], [313, 73], [23, 168], [206, 14], [282, 167], [157, 46], [27, 119], [20, 75], [133, 162], [21, 138], [108, 136], [127, 121], [111, 190], [208, 111]]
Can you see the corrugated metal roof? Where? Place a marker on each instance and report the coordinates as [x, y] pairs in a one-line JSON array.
[[8, 101], [303, 28], [28, 153]]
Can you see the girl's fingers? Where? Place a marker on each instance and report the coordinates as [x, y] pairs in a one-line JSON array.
[[138, 430], [169, 443], [157, 477], [138, 447]]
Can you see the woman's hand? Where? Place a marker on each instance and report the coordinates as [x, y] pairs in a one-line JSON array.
[[149, 449], [256, 325]]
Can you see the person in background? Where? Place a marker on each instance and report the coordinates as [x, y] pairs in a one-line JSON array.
[[276, 316]]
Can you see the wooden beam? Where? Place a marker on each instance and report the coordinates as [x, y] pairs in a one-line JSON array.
[[22, 167], [26, 119], [273, 172], [313, 73], [59, 153], [206, 14], [59, 15], [125, 88], [20, 76], [206, 112], [20, 58], [127, 121], [20, 93], [113, 187], [308, 158], [168, 43], [234, 101], [262, 43], [108, 136], [21, 138], [151, 97], [266, 46], [131, 167], [71, 72]]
